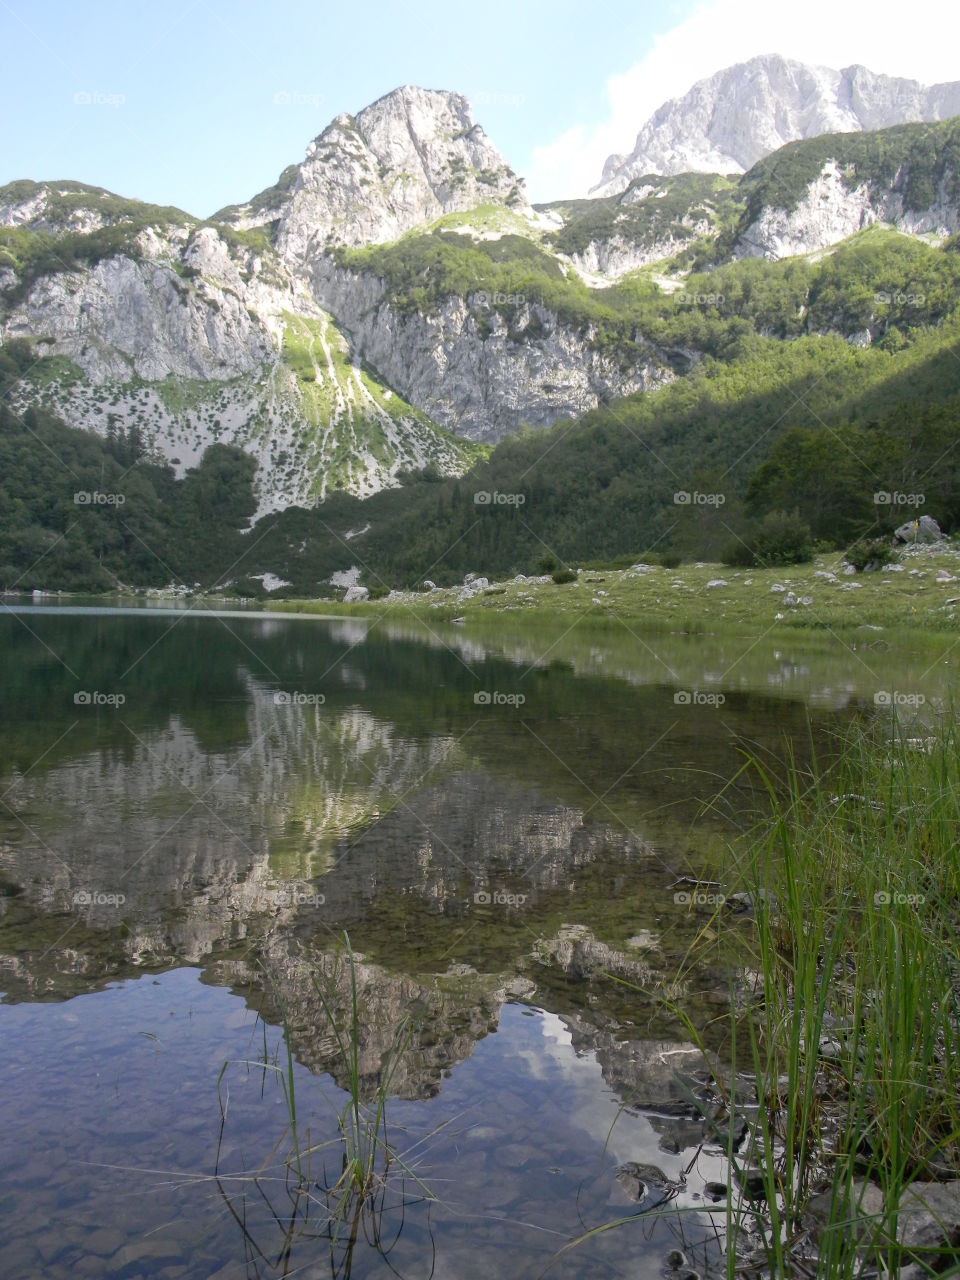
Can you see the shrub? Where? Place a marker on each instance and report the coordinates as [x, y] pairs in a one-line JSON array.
[[547, 563], [560, 576], [781, 537], [737, 554], [868, 553]]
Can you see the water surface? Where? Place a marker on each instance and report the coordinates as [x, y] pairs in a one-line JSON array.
[[194, 807]]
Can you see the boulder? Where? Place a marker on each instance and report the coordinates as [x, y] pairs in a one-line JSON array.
[[928, 1221], [857, 1214], [353, 595], [923, 529]]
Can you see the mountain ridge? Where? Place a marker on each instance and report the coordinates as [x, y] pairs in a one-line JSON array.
[[727, 122], [340, 360]]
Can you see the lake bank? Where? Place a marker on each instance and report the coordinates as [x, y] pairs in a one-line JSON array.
[[920, 588], [846, 1018]]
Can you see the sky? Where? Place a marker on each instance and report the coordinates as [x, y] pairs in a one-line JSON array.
[[201, 103]]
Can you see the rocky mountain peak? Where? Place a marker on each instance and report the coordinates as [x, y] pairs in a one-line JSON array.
[[405, 160], [729, 121]]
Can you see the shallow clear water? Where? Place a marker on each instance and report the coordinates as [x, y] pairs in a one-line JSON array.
[[193, 809]]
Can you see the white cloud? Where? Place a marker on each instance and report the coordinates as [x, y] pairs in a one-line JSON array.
[[721, 32]]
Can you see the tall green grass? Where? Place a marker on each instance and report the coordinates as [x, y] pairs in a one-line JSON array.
[[852, 1021], [844, 1047]]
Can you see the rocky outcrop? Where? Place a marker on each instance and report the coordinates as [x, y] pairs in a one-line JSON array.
[[126, 318], [404, 161], [831, 209], [471, 369], [194, 340], [616, 256], [729, 121]]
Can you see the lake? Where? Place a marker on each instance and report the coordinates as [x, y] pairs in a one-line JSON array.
[[508, 823]]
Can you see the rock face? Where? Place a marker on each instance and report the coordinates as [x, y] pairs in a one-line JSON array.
[[126, 316], [404, 161], [470, 370], [831, 210], [617, 256], [195, 337], [728, 122]]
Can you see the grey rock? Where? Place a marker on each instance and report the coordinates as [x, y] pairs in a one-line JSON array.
[[639, 1181], [354, 595], [404, 161], [729, 121], [470, 370], [856, 1215], [928, 1220], [923, 529]]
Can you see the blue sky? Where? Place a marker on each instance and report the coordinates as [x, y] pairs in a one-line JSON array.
[[200, 103], [200, 125]]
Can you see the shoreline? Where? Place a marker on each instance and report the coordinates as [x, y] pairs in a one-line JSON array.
[[919, 591]]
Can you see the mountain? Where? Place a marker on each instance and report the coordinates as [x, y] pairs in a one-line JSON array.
[[360, 334], [197, 332], [729, 121], [407, 159]]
